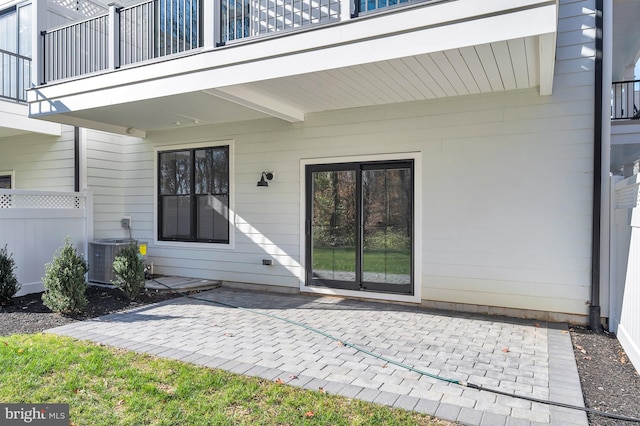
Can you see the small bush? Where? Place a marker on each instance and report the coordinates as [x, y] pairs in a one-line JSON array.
[[8, 282], [64, 281], [128, 267]]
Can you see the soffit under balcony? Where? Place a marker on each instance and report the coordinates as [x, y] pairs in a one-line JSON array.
[[506, 65], [495, 67], [496, 53], [184, 110], [626, 38], [14, 121]]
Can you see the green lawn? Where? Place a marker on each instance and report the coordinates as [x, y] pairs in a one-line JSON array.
[[343, 259], [106, 386]]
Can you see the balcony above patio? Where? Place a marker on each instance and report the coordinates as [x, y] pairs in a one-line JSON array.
[[154, 65], [15, 78]]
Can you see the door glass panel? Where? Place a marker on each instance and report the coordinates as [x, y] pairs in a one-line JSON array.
[[387, 219], [333, 225], [360, 226], [8, 33], [9, 43], [24, 28]]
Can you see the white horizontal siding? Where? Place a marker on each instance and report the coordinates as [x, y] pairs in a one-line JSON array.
[[104, 173], [506, 186], [507, 212], [40, 162], [506, 182]]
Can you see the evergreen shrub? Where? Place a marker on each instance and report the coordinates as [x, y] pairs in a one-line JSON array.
[[128, 268], [9, 285], [64, 281]]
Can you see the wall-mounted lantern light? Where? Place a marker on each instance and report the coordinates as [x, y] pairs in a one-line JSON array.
[[267, 176]]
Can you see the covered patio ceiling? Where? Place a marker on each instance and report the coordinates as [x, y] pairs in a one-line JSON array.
[[331, 68], [626, 37], [505, 65]]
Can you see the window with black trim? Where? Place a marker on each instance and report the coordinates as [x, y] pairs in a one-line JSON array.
[[193, 195], [5, 181]]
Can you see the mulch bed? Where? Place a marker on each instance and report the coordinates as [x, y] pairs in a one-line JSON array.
[[27, 314], [610, 383]]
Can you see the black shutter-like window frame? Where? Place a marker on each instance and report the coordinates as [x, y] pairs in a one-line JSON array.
[[194, 195], [5, 182]]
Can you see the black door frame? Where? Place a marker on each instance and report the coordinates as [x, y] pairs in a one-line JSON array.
[[358, 284]]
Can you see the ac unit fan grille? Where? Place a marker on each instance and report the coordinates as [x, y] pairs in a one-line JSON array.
[[102, 253]]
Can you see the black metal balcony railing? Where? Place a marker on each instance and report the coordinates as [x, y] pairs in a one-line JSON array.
[[156, 28], [76, 49], [625, 100], [145, 31], [15, 76]]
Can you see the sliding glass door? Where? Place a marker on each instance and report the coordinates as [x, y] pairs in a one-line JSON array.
[[360, 226]]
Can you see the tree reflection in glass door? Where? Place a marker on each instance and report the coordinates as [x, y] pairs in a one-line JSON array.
[[334, 225], [387, 231], [360, 226]]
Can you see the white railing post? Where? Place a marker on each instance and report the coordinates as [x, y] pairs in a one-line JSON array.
[[39, 24], [628, 100], [617, 99], [211, 33], [347, 8], [114, 36]]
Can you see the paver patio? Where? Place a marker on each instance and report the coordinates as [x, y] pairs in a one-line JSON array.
[[525, 357]]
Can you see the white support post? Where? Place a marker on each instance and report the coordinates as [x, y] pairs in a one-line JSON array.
[[88, 218], [629, 98], [39, 25], [617, 103], [210, 23], [347, 7], [114, 36], [615, 261]]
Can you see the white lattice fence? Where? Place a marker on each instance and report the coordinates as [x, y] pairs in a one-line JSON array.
[[30, 200], [34, 224]]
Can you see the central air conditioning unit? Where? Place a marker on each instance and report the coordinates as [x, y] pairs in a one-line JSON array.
[[102, 253]]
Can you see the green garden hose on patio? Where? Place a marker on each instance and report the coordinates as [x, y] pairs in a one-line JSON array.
[[406, 366]]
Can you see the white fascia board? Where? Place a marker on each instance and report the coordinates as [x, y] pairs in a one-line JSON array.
[[406, 34], [625, 132], [16, 117]]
